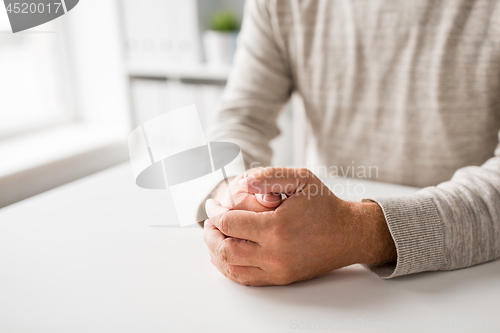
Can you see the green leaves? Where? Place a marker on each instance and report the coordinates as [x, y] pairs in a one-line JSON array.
[[225, 21]]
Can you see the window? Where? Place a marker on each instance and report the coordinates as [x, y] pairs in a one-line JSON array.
[[32, 84], [64, 109]]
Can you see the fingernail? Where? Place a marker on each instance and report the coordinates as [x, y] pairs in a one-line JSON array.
[[272, 198], [248, 181]]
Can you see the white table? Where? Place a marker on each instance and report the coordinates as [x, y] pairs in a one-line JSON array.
[[83, 258]]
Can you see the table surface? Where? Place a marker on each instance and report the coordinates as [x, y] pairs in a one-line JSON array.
[[85, 258]]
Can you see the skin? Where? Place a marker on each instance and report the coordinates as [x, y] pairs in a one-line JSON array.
[[243, 199], [308, 234]]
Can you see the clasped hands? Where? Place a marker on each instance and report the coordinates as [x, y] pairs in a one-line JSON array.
[[256, 238]]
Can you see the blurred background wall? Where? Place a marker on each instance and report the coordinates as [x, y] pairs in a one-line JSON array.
[[72, 89]]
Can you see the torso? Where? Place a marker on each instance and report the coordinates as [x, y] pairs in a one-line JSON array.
[[411, 87]]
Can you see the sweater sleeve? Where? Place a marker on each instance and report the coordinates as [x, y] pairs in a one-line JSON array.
[[259, 85], [453, 225]]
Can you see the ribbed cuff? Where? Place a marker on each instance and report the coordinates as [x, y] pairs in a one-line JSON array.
[[417, 232]]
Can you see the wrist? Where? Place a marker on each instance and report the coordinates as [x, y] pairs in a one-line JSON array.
[[376, 242]]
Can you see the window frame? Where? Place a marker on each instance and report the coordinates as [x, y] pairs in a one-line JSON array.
[[95, 136]]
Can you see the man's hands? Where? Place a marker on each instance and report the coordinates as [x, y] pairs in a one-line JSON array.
[[309, 234]]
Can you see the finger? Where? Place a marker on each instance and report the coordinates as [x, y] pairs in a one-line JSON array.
[[237, 223], [235, 198], [212, 236], [246, 275], [230, 250], [251, 203], [277, 180], [269, 200]]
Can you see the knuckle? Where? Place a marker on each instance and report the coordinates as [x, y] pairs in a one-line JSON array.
[[223, 252], [241, 279], [304, 172], [223, 224], [231, 273], [246, 282], [206, 237]]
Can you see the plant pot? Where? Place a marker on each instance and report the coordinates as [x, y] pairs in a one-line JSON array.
[[219, 47]]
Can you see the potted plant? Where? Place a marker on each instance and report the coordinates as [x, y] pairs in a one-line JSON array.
[[220, 41]]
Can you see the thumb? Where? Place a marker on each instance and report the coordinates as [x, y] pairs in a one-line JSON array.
[[277, 180], [269, 200]]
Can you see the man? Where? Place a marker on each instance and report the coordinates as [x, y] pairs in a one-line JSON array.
[[412, 87]]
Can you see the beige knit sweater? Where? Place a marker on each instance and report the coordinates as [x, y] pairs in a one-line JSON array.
[[411, 87]]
